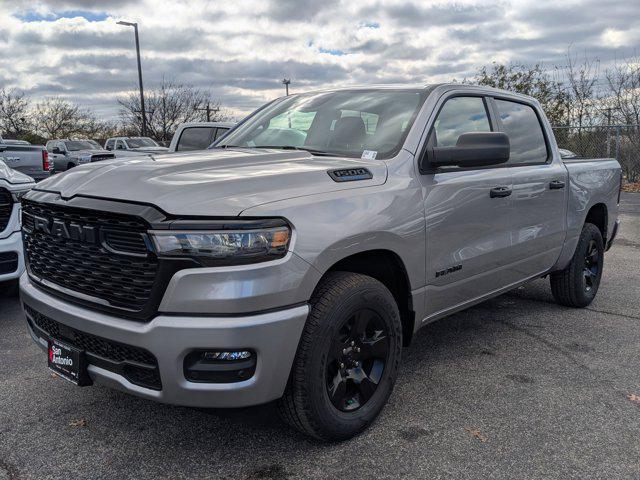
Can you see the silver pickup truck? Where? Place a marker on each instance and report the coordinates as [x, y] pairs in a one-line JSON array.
[[31, 160], [65, 153], [295, 258]]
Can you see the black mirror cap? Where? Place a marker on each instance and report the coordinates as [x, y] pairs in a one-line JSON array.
[[477, 149]]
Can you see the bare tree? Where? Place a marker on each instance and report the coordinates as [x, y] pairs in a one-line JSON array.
[[59, 118], [167, 106], [15, 118], [583, 102], [622, 103]]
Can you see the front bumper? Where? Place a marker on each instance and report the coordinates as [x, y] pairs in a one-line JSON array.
[[12, 244], [273, 336]]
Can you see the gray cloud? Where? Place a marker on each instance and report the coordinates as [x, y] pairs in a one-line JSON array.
[[202, 44], [298, 10]]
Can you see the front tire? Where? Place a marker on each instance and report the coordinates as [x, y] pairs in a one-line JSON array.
[[347, 360], [577, 284]]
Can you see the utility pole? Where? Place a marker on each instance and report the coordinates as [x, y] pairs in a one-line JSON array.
[[144, 117], [286, 82], [209, 111], [608, 132]]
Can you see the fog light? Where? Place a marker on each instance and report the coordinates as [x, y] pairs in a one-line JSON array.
[[219, 366], [229, 356]]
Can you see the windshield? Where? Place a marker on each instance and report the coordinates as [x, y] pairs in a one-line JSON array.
[[351, 123], [141, 142], [75, 145]]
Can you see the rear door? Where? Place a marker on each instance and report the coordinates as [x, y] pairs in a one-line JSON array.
[[468, 228], [539, 188]]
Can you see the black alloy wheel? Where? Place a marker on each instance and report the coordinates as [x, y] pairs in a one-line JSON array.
[[591, 266], [357, 360]]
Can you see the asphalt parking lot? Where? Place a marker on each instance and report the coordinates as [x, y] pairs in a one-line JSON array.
[[517, 387]]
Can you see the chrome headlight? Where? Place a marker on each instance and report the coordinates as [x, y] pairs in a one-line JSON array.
[[228, 246], [17, 195]]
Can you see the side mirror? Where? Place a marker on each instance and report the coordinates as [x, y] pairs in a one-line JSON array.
[[108, 147], [56, 150], [478, 149]]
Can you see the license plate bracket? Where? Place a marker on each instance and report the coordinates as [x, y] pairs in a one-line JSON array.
[[68, 362]]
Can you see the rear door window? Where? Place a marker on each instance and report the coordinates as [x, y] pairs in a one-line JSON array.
[[459, 115], [220, 132], [195, 138], [521, 124]]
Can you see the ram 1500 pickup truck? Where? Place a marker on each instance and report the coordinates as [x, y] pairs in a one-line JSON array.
[[31, 160], [293, 259]]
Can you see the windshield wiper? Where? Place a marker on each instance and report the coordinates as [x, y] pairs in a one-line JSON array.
[[312, 151]]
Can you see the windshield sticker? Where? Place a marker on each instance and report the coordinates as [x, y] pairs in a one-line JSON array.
[[369, 154]]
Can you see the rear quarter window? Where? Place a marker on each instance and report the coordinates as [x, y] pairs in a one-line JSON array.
[[195, 138], [522, 125]]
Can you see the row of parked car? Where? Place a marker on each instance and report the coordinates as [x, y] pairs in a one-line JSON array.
[[23, 164], [61, 154]]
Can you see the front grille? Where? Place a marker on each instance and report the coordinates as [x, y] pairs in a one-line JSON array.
[[6, 206], [115, 269], [8, 262], [136, 364]]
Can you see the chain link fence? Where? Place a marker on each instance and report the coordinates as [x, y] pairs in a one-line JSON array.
[[621, 142]]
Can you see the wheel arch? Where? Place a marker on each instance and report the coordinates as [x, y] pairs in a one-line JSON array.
[[388, 268], [599, 216]]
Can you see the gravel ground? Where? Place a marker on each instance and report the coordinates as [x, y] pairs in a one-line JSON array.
[[516, 387]]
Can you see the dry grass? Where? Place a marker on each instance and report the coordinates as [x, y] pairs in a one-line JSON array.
[[631, 187]]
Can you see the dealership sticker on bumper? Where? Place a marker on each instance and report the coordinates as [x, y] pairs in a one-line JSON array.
[[68, 362]]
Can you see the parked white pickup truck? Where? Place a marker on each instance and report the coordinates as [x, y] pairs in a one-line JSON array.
[[198, 135], [32, 160], [133, 146]]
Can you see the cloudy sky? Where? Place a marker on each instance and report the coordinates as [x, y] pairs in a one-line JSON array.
[[241, 49]]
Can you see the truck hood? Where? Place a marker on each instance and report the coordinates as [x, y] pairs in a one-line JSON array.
[[13, 176], [213, 182]]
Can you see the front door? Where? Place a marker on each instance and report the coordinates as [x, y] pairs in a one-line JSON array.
[[468, 216]]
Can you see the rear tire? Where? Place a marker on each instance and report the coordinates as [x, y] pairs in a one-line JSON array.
[[347, 360], [577, 285]]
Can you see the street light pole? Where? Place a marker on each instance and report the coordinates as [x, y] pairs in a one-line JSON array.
[[286, 82], [143, 111]]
